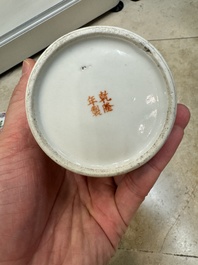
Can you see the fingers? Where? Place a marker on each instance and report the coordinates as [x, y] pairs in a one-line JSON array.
[[183, 116], [162, 158], [135, 185], [149, 173]]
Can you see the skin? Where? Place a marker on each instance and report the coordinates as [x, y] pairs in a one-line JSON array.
[[49, 215]]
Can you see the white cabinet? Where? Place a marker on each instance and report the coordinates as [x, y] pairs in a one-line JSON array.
[[29, 26]]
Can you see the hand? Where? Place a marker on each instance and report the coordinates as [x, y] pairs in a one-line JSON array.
[[49, 215]]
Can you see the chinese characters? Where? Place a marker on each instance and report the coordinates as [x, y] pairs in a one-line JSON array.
[[103, 103]]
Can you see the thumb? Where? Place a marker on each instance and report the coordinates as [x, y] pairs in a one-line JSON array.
[[19, 91], [16, 116]]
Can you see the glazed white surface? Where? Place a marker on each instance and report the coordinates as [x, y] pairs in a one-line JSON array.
[[84, 68]]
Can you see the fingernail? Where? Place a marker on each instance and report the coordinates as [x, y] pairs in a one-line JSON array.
[[25, 66]]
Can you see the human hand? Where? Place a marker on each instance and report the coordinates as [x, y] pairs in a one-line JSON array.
[[49, 215]]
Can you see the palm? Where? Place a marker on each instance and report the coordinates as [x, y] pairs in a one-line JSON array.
[[52, 216], [54, 205]]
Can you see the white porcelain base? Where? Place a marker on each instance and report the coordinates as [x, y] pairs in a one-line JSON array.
[[114, 101]]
